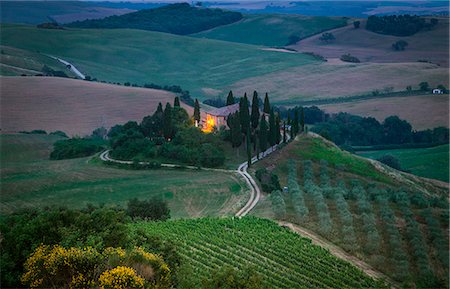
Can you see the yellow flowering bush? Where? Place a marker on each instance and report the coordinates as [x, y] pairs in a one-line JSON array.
[[58, 267], [120, 277]]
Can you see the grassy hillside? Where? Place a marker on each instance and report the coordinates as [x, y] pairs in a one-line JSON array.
[[41, 103], [178, 18], [15, 62], [425, 162], [417, 112], [272, 29], [372, 212], [431, 45], [281, 257], [29, 179], [199, 65]]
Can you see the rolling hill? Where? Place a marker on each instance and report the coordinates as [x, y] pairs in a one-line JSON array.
[[272, 29], [76, 107], [427, 45], [178, 18], [385, 217]]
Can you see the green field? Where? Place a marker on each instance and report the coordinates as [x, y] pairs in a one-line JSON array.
[[272, 29], [15, 62], [354, 205], [30, 180], [281, 257], [425, 162], [201, 66]]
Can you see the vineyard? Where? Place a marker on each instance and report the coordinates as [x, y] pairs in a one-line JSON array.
[[282, 258], [399, 232]]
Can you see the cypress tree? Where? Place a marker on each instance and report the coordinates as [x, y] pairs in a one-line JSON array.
[[249, 148], [167, 122], [295, 123], [236, 135], [262, 137], [272, 129], [176, 102], [196, 111], [230, 98], [266, 104], [284, 131], [159, 109], [255, 110], [302, 119], [243, 114], [277, 129], [289, 117]]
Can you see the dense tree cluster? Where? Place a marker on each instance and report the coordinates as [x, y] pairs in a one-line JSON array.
[[76, 148], [399, 45], [344, 128], [179, 18], [398, 25], [349, 58]]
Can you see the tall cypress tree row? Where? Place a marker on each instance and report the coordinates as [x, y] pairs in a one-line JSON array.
[[262, 135], [196, 111], [244, 114], [272, 129], [284, 131], [236, 134], [289, 118], [230, 98], [255, 110], [266, 104], [277, 129], [167, 122], [176, 102], [302, 119]]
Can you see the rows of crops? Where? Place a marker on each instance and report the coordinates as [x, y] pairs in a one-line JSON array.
[[281, 257], [398, 231]]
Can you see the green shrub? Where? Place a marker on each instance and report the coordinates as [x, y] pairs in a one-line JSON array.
[[76, 148], [153, 209]]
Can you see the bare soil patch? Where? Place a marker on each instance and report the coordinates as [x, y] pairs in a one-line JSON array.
[[422, 111], [74, 106]]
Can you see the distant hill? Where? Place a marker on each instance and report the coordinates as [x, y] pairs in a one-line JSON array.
[[179, 18], [273, 29]]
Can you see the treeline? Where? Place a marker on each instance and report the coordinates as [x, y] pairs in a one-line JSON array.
[[179, 18], [346, 129], [399, 25]]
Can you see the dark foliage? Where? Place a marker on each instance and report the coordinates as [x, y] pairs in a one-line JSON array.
[[178, 18], [49, 25], [154, 209], [356, 24], [399, 45], [391, 161], [48, 71], [292, 39], [269, 181], [327, 37], [349, 58], [216, 102], [59, 133], [398, 25], [36, 131], [22, 232], [76, 148]]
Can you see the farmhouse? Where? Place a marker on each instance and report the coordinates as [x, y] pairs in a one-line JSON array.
[[218, 117], [438, 91]]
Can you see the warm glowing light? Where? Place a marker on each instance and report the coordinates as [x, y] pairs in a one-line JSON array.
[[209, 125]]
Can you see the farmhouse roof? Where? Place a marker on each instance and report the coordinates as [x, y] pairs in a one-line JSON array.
[[225, 111]]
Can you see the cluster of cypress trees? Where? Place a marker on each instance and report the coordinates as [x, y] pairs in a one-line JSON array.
[[249, 126]]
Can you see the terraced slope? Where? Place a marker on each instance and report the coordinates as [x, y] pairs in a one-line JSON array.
[[281, 257]]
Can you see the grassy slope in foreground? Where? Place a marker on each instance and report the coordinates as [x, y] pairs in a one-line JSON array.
[[281, 257], [272, 29], [137, 56], [424, 162], [41, 103], [30, 180]]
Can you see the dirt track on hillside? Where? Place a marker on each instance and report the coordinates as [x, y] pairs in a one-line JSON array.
[[76, 107]]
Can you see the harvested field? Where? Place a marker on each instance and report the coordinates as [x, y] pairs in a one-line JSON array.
[[74, 106], [422, 111], [373, 47]]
